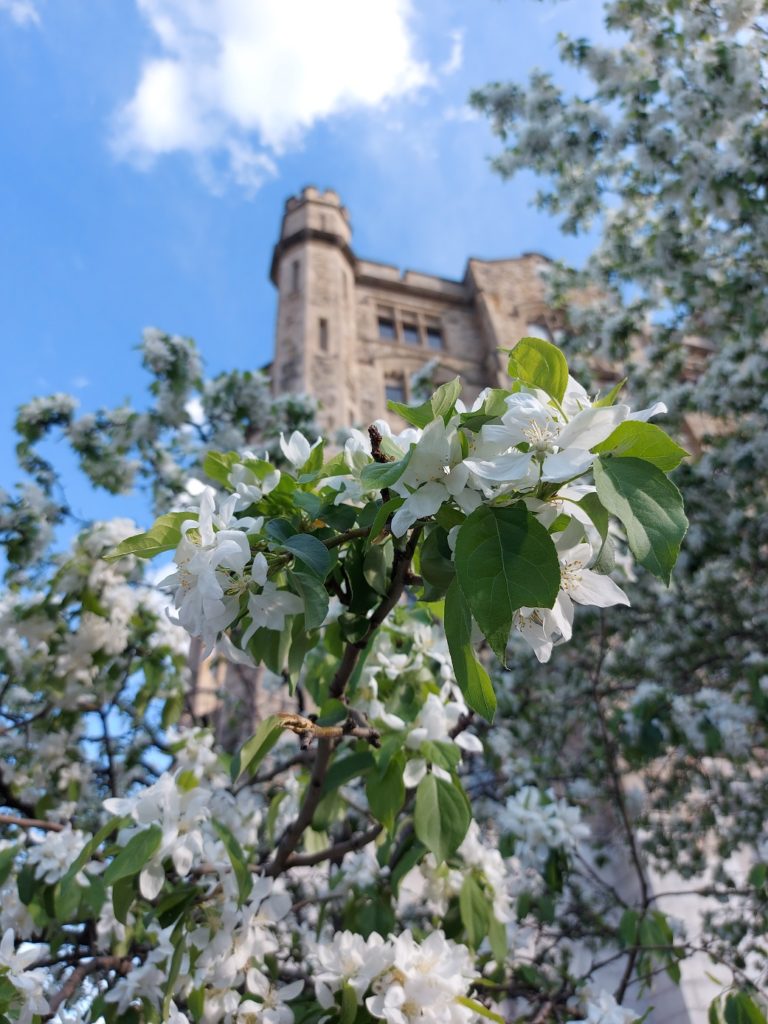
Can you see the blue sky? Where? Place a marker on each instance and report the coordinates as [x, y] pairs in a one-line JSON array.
[[147, 148]]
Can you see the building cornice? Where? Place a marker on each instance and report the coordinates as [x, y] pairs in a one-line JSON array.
[[308, 235]]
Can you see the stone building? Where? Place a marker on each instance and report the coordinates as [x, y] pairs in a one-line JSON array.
[[352, 332]]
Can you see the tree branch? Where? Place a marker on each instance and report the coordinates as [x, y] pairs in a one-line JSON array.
[[80, 973], [338, 850], [290, 838], [14, 819]]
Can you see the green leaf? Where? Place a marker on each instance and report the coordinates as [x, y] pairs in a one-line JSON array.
[[345, 768], [7, 857], [164, 535], [441, 816], [196, 1002], [238, 860], [123, 894], [254, 750], [497, 936], [628, 928], [444, 755], [505, 560], [758, 875], [649, 506], [332, 712], [442, 403], [377, 565], [134, 855], [272, 646], [348, 1005], [596, 512], [314, 595], [492, 408], [376, 476], [218, 466], [170, 908], [474, 682], [66, 900], [410, 857], [27, 884], [605, 560], [540, 364], [475, 910], [386, 792], [68, 881], [436, 562], [172, 709], [387, 509], [477, 1007], [91, 603], [610, 398], [311, 551], [741, 1009], [173, 972], [633, 439], [416, 415]]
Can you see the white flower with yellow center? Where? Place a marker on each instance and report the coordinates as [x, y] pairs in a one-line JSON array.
[[555, 445], [211, 559], [434, 475]]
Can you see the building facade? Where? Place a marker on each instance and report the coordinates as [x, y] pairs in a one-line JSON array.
[[352, 332]]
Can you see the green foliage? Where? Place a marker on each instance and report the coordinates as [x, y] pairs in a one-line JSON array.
[[163, 535], [649, 506], [311, 552], [539, 364], [473, 679], [134, 855], [476, 910], [505, 560], [254, 750], [645, 441], [441, 816], [442, 404], [386, 792]]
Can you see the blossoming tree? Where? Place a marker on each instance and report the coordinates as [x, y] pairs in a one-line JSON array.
[[660, 147], [382, 851]]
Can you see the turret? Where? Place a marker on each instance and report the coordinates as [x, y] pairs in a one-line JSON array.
[[313, 269]]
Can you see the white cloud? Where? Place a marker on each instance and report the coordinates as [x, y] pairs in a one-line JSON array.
[[240, 81], [23, 12], [456, 56]]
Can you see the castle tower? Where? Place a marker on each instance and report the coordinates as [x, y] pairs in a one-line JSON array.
[[313, 271], [354, 333]]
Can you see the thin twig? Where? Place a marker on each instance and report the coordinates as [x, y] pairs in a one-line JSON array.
[[342, 538], [333, 852], [611, 758], [14, 819]]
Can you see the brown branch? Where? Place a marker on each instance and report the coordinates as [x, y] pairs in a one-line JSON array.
[[80, 973], [309, 730], [290, 838], [342, 538], [611, 757], [543, 1016], [14, 819], [293, 833], [303, 757], [332, 852]]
